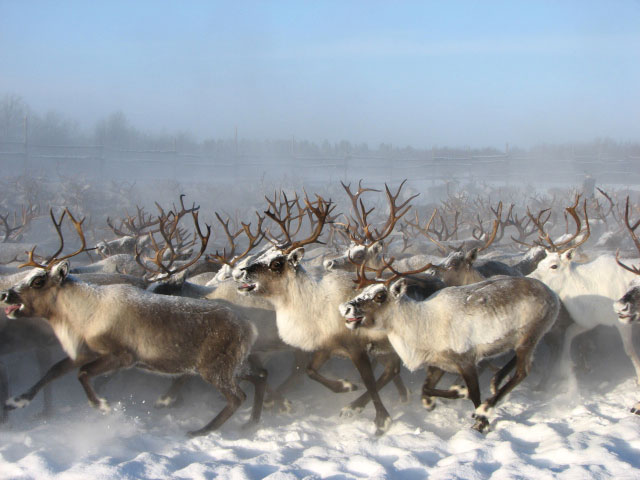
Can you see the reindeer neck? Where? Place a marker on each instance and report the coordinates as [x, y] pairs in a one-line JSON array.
[[74, 302]]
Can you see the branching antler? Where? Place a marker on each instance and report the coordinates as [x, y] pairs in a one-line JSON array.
[[168, 228], [53, 259], [285, 213], [254, 239], [12, 231], [634, 237], [545, 240], [362, 281]]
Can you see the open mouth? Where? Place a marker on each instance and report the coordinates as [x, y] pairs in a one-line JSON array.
[[247, 287], [626, 318], [353, 322], [11, 309]]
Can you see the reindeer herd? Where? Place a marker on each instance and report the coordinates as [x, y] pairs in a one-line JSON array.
[[445, 287]]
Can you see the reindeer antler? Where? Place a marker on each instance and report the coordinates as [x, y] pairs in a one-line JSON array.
[[53, 259], [634, 237], [230, 258]]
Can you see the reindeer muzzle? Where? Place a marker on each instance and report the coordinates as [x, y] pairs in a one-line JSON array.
[[11, 301]]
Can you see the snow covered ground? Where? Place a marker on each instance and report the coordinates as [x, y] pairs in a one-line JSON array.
[[588, 433]]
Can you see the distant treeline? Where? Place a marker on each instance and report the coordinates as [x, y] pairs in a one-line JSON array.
[[20, 123]]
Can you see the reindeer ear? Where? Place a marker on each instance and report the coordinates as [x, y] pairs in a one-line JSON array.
[[60, 271], [471, 255], [570, 254], [377, 247], [295, 257], [399, 288]]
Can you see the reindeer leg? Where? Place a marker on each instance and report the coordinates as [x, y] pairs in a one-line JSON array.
[[44, 359], [626, 334], [469, 373], [361, 360], [4, 392], [523, 362], [566, 365], [501, 374], [258, 376], [318, 359], [172, 396], [434, 374], [62, 367], [101, 365], [298, 367], [391, 371], [234, 395]]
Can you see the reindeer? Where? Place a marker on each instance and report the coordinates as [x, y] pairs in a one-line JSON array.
[[105, 328], [170, 280], [457, 327], [627, 308], [588, 290], [304, 315], [32, 333]]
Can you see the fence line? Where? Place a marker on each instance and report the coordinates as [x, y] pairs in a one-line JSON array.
[[105, 162]]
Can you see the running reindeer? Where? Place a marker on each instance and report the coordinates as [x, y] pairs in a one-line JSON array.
[[105, 328], [588, 290], [457, 327], [306, 309], [627, 308]]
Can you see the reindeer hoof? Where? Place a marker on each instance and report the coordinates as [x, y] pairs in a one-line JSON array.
[[636, 409], [462, 392], [382, 425], [482, 423], [102, 405], [268, 403], [347, 386], [350, 411], [285, 406], [428, 403], [167, 401], [16, 402], [197, 433]]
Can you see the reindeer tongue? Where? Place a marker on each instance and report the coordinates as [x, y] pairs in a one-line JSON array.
[[11, 308]]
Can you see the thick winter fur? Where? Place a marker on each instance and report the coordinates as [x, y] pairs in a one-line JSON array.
[[121, 263], [356, 255], [307, 316], [460, 268], [628, 307], [589, 291], [103, 328], [457, 327]]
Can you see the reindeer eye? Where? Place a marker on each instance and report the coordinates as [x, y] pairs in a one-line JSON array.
[[37, 282], [380, 297], [276, 264], [553, 267]]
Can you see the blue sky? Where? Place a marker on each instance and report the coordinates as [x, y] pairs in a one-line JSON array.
[[407, 73]]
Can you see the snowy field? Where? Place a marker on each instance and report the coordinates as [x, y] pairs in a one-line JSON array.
[[572, 433], [588, 433]]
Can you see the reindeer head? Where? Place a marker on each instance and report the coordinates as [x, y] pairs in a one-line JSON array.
[[368, 308], [561, 255], [457, 268], [367, 238], [269, 273], [628, 307], [356, 255], [33, 296]]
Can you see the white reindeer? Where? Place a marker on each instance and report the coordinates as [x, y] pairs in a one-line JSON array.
[[457, 327], [588, 290]]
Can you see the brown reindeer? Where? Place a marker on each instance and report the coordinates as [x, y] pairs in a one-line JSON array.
[[105, 328]]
